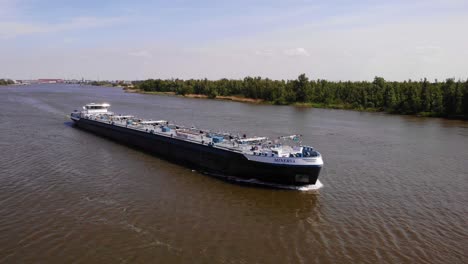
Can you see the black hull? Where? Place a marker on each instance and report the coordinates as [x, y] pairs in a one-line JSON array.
[[204, 158]]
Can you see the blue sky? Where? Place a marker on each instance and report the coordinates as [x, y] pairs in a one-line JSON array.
[[336, 40]]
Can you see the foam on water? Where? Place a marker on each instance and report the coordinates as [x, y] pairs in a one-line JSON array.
[[310, 187], [255, 182]]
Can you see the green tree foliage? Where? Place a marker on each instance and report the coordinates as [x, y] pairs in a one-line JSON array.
[[448, 98], [6, 82], [301, 87], [109, 84]]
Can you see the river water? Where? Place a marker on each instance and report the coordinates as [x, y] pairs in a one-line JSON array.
[[395, 188]]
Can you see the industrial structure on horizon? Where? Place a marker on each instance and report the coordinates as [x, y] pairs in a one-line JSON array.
[[70, 81]]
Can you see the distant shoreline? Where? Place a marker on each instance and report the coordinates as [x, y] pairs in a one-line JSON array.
[[202, 96], [241, 99], [304, 105], [447, 99]]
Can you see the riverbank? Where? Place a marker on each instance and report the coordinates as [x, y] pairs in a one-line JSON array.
[[447, 98], [305, 105], [202, 96], [109, 86], [336, 106]]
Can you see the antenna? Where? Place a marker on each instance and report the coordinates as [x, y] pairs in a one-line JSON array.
[[193, 118]]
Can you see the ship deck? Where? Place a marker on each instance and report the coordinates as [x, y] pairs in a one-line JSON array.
[[255, 146], [174, 131]]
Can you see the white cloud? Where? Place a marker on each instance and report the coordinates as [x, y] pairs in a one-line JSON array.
[[265, 53], [10, 29], [297, 52], [428, 50], [140, 53], [354, 46], [429, 54]]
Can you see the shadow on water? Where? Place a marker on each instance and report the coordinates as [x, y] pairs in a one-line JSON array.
[[69, 124]]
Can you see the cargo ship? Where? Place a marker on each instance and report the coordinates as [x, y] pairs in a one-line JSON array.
[[280, 161]]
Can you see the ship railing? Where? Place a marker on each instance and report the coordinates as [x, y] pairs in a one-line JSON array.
[[151, 129]]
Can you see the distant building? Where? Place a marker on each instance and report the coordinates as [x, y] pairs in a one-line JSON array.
[[72, 81], [50, 81]]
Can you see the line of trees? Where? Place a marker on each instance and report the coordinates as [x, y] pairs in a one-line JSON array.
[[6, 82], [109, 84], [447, 98]]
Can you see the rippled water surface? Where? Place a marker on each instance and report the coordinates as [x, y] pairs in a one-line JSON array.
[[395, 189]]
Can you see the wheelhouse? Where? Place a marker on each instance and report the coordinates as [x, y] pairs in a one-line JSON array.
[[94, 108]]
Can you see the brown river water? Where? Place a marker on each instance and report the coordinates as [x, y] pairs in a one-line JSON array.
[[395, 188]]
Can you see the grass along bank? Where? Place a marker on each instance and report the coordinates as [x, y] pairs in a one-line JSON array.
[[200, 96]]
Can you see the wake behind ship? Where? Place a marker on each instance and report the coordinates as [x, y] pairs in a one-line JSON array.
[[277, 161]]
